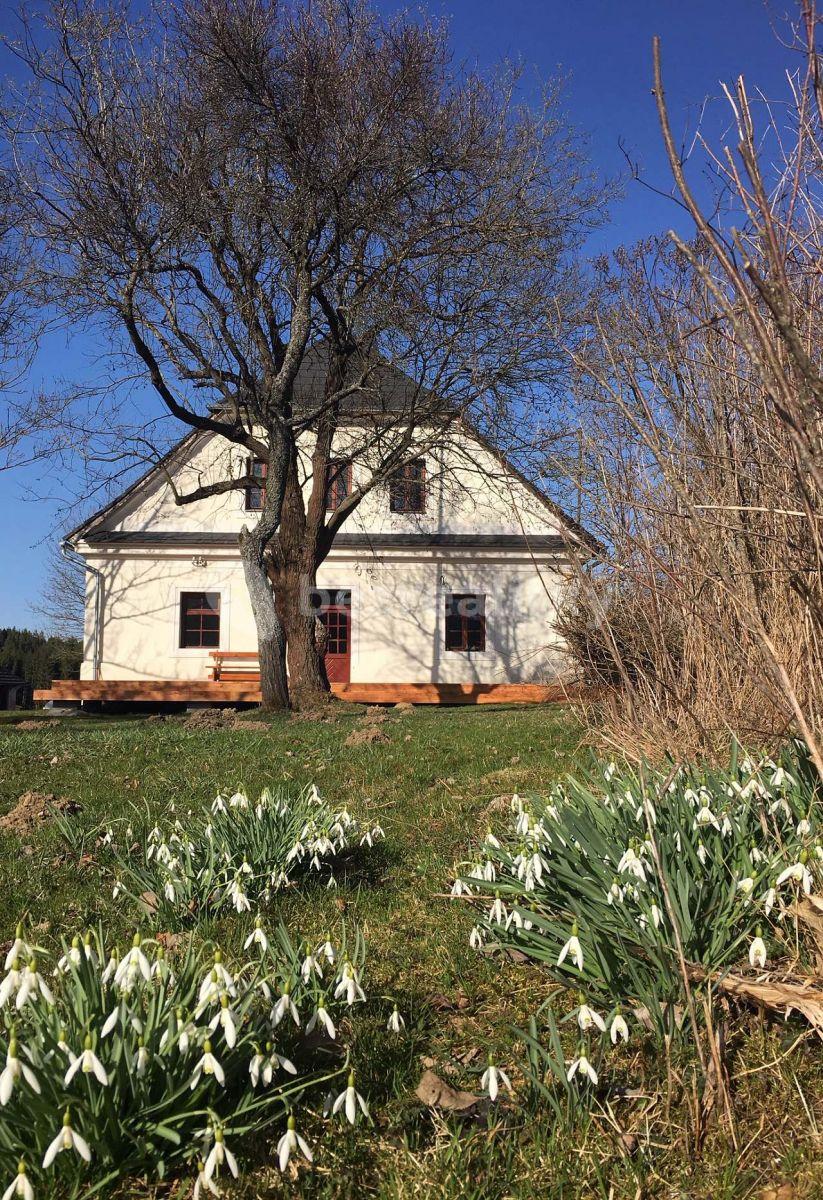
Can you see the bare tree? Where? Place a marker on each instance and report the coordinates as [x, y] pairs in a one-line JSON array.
[[702, 385], [62, 601], [256, 183]]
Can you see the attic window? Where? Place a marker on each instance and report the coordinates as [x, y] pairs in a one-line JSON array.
[[465, 621], [199, 620], [407, 488], [338, 483], [256, 496]]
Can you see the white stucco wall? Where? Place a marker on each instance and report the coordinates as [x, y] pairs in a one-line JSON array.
[[398, 608]]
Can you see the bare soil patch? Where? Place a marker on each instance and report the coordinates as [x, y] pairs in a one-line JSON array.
[[32, 726], [32, 808], [365, 736]]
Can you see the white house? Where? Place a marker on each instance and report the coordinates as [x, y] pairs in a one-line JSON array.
[[448, 575]]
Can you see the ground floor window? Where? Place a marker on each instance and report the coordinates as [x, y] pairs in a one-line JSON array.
[[465, 621], [199, 619]]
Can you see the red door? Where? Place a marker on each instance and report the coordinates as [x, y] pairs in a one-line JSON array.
[[336, 618]]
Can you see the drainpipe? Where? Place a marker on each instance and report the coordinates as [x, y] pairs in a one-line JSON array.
[[70, 554]]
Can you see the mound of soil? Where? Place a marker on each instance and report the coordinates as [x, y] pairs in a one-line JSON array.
[[211, 718], [31, 726], [404, 706], [367, 735], [32, 808]]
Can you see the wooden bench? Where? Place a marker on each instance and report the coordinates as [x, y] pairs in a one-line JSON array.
[[235, 665]]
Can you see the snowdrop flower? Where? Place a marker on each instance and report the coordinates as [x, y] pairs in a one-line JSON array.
[[497, 912], [218, 804], [87, 1062], [285, 1006], [395, 1023], [372, 835], [142, 1060], [15, 1069], [350, 1098], [310, 966], [31, 985], [581, 1066], [321, 1017], [11, 984], [257, 937], [239, 800], [746, 886], [782, 778], [702, 853], [492, 1078], [263, 1067], [219, 1155], [208, 1065], [133, 965], [757, 951], [111, 966], [20, 948], [587, 1017], [20, 1185], [289, 1143], [704, 816], [804, 827], [226, 1018], [476, 938], [573, 949], [618, 1027], [797, 873], [349, 985], [239, 899], [632, 864], [615, 893], [202, 1184], [67, 1139]]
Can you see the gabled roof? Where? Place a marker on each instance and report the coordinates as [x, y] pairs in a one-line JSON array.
[[393, 394]]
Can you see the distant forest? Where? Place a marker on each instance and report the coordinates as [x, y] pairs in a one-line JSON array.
[[39, 659]]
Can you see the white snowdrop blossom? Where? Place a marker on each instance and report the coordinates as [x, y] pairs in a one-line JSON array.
[[582, 1067], [320, 1016], [257, 937], [348, 1100], [757, 952], [290, 1142], [572, 949], [32, 984], [20, 1186], [587, 1017], [491, 1079], [15, 1069], [219, 1156], [618, 1027], [208, 1065], [67, 1139], [285, 1007], [87, 1062], [798, 873], [395, 1023]]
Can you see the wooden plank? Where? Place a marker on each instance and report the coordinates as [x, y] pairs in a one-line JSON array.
[[228, 691]]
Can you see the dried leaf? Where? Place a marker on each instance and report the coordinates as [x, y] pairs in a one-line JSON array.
[[434, 1092], [782, 1191], [782, 998]]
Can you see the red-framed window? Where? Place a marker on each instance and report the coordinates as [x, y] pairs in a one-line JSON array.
[[338, 482], [465, 621], [200, 620], [407, 488], [256, 496]]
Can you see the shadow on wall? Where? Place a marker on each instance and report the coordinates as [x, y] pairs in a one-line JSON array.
[[414, 623]]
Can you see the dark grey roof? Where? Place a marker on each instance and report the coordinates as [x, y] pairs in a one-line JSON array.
[[553, 543], [387, 390]]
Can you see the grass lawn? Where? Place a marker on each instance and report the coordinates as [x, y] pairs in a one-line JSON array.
[[432, 787]]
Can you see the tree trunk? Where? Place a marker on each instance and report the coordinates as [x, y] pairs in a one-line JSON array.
[[271, 639], [309, 686]]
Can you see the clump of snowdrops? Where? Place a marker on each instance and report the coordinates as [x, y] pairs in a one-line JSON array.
[[236, 854], [122, 1062], [598, 880]]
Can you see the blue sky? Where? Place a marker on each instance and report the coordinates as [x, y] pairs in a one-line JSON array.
[[604, 48]]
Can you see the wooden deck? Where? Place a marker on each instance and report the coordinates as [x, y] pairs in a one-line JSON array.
[[234, 691]]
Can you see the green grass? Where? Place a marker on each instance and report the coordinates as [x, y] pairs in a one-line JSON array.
[[431, 787]]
